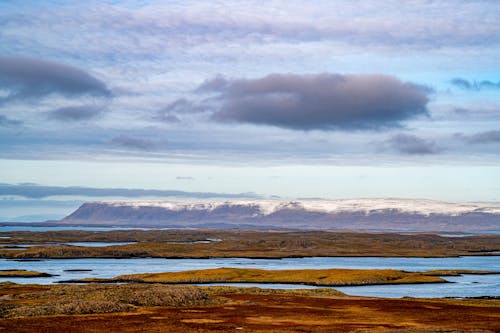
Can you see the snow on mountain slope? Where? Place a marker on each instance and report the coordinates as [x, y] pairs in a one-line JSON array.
[[267, 207], [352, 214]]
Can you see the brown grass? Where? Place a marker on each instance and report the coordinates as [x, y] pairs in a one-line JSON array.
[[67, 308], [254, 312], [86, 299], [22, 273], [240, 243], [229, 290], [320, 277]]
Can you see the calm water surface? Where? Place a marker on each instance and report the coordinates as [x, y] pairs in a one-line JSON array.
[[38, 229], [464, 286], [20, 227], [89, 244]]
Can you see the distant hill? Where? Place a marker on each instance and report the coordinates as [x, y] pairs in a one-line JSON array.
[[352, 214]]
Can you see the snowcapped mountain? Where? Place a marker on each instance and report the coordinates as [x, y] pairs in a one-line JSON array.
[[353, 214]]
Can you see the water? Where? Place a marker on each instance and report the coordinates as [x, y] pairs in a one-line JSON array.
[[467, 285], [455, 235], [8, 228], [98, 244], [20, 227], [464, 286], [89, 244]]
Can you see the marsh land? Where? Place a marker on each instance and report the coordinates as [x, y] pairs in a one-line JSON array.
[[201, 243], [161, 301], [160, 308]]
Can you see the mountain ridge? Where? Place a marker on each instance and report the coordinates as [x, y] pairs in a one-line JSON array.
[[343, 214]]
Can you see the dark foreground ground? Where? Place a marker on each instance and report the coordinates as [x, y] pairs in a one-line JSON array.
[[223, 309], [279, 313]]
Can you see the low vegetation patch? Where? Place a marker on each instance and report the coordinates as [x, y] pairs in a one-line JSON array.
[[67, 308], [20, 273], [86, 299], [320, 277], [316, 292]]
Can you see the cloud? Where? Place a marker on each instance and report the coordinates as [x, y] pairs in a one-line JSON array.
[[321, 101], [7, 122], [133, 143], [474, 85], [483, 137], [412, 145], [24, 78], [184, 178], [34, 191], [158, 27], [179, 107], [76, 113]]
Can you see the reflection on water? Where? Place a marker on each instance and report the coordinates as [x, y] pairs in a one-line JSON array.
[[464, 286]]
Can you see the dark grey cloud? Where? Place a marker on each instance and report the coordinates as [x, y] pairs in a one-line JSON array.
[[25, 78], [133, 142], [34, 191], [413, 145], [322, 101], [483, 137], [6, 121], [76, 113], [474, 85]]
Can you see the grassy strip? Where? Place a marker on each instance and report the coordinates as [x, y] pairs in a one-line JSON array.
[[228, 290], [21, 273], [320, 277]]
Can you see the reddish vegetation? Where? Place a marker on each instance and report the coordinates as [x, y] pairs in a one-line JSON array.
[[281, 313]]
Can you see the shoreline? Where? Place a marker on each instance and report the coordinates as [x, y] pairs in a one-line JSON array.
[[27, 259], [153, 227]]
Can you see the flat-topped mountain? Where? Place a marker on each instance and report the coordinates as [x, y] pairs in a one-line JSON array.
[[350, 214]]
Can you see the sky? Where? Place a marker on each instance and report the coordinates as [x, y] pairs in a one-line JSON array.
[[290, 99]]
